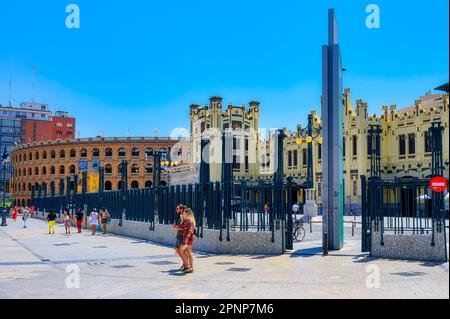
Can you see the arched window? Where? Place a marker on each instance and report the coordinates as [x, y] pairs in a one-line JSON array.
[[29, 172], [44, 170], [108, 169], [19, 187], [36, 171], [164, 154], [36, 155], [29, 187], [24, 172], [122, 152], [73, 153], [53, 154], [109, 152], [62, 154], [62, 169], [83, 153], [148, 169], [72, 169], [135, 169], [30, 156], [148, 152], [108, 186], [52, 170], [134, 184], [44, 155], [135, 152], [20, 157], [148, 184], [95, 152]]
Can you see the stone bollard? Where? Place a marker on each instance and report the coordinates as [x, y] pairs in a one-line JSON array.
[[325, 244]]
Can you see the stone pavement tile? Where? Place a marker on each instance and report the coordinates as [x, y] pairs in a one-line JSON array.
[[152, 272]]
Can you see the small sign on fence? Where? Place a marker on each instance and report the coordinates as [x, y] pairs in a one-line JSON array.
[[438, 184]]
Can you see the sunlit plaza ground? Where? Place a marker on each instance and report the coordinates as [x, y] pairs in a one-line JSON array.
[[34, 264]]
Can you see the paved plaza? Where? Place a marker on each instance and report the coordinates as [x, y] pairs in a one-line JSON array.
[[34, 264]]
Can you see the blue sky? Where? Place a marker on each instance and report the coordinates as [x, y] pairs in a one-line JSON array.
[[138, 65]]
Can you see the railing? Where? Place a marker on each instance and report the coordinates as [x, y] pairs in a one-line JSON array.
[[224, 206], [402, 206]]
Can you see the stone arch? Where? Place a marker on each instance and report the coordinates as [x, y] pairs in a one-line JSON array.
[[134, 184], [108, 186]]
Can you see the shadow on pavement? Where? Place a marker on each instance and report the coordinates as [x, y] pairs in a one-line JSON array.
[[174, 272], [307, 252]]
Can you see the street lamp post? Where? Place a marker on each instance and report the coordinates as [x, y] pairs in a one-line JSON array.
[[124, 186], [162, 163], [309, 134], [4, 208]]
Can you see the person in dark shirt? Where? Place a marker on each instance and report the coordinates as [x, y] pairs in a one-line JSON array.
[[80, 217], [51, 218]]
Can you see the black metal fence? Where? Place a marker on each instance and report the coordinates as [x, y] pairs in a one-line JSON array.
[[224, 206], [401, 206]]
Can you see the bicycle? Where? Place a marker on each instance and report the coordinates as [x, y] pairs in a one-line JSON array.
[[299, 231]]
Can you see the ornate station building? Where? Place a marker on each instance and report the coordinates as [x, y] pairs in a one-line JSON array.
[[405, 149], [45, 162]]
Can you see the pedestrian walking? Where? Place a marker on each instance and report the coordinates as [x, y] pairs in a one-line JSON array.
[[93, 219], [51, 219], [188, 228], [80, 217], [266, 208], [32, 211], [104, 215], [15, 214], [25, 215], [67, 219], [179, 209]]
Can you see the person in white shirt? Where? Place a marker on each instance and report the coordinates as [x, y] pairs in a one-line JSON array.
[[94, 221], [295, 209]]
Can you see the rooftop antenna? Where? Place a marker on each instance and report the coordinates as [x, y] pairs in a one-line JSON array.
[[34, 83], [10, 89], [128, 132]]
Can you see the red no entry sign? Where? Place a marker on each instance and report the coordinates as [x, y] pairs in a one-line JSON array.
[[438, 184]]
